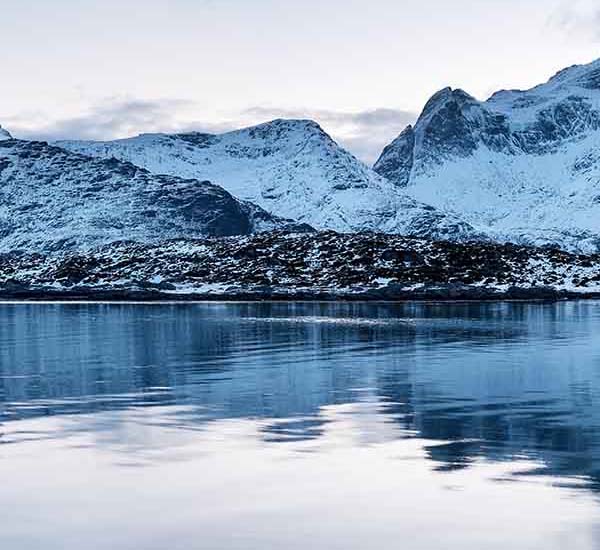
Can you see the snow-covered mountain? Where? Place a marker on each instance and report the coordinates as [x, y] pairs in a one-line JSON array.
[[522, 166], [291, 168], [52, 199]]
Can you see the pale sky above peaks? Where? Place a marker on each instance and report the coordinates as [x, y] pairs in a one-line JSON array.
[[101, 69]]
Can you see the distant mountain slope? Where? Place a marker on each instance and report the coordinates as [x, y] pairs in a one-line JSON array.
[[52, 199], [291, 168], [523, 166]]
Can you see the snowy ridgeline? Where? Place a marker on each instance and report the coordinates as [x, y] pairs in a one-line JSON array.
[[306, 266], [523, 166], [291, 168]]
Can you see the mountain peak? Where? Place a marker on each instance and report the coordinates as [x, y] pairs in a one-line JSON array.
[[445, 96], [521, 166], [586, 76], [4, 135], [284, 127], [291, 167], [304, 123]]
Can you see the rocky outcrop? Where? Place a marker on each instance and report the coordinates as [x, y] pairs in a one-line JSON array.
[[312, 266]]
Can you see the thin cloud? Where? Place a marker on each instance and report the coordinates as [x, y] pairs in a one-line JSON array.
[[363, 133], [578, 19], [112, 119]]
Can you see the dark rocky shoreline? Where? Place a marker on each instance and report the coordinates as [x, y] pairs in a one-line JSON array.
[[304, 267], [437, 294]]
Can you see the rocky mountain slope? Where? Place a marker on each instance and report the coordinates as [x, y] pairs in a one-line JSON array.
[[52, 199], [4, 135], [522, 166], [311, 266], [291, 168]]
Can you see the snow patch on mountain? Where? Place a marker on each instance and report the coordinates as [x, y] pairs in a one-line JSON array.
[[523, 166], [291, 168]]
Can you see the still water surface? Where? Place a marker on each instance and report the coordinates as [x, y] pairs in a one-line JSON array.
[[308, 426]]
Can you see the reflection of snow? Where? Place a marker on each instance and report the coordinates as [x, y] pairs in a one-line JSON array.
[[226, 483], [484, 381]]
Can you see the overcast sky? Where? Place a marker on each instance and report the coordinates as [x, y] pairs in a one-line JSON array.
[[363, 68]]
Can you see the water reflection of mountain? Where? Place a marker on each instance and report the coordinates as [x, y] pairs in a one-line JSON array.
[[491, 380]]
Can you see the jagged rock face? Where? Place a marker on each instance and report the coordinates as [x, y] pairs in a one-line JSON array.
[[291, 168], [398, 158], [52, 199], [452, 125], [523, 166], [4, 135]]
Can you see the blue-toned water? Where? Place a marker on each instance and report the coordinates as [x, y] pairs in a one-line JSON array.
[[309, 426]]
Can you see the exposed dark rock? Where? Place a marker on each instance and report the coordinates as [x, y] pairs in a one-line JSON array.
[[311, 266]]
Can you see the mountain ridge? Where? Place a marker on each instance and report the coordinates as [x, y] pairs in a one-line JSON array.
[[522, 166], [55, 200], [291, 168]]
